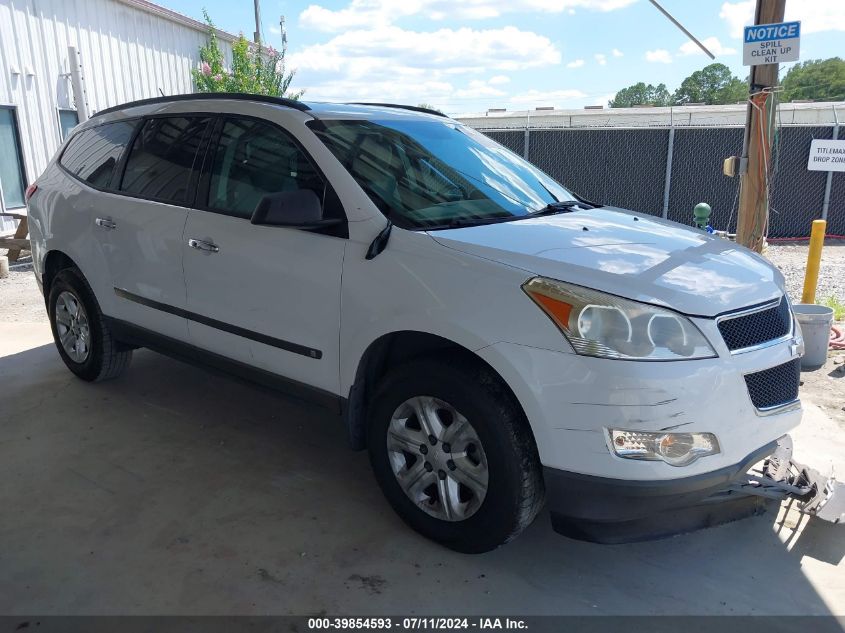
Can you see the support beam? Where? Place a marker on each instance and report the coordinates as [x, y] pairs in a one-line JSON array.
[[753, 214]]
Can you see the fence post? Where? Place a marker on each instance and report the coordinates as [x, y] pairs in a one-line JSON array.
[[667, 185], [525, 147], [829, 180]]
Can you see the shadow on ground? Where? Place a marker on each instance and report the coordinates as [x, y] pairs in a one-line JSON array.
[[171, 490]]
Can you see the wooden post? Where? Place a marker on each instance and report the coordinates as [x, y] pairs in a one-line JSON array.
[[753, 213]]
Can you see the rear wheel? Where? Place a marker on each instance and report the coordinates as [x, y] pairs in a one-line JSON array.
[[81, 335], [454, 455]]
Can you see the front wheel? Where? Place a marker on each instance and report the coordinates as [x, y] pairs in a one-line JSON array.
[[454, 455]]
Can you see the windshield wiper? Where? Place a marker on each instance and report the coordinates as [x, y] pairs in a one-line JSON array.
[[559, 207], [459, 223], [550, 209]]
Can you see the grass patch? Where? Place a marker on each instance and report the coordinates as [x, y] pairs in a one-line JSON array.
[[837, 306]]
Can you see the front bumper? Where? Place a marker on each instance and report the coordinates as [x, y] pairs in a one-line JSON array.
[[604, 510]]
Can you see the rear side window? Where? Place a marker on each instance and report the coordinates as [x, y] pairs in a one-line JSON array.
[[162, 158], [253, 159], [93, 154]]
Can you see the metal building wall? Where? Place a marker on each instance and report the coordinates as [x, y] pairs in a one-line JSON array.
[[129, 49]]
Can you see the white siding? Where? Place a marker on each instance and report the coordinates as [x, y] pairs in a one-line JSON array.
[[129, 49]]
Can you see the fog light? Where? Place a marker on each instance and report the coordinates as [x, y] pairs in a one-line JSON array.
[[676, 449]]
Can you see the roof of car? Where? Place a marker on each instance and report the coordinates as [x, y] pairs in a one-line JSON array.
[[316, 109]]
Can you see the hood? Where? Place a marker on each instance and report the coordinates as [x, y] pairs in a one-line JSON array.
[[639, 257]]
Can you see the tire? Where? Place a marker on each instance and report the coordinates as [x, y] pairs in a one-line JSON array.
[[477, 519], [97, 356]]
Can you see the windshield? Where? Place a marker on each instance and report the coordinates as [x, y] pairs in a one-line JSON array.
[[430, 174]]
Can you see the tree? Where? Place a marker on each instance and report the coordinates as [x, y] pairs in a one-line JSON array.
[[713, 84], [816, 79], [428, 106], [255, 69], [641, 94]]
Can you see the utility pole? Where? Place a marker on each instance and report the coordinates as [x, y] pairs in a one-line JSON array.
[[755, 162], [257, 35]]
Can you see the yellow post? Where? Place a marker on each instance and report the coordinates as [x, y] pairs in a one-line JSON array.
[[814, 258]]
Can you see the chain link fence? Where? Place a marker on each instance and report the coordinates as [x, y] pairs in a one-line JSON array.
[[666, 171]]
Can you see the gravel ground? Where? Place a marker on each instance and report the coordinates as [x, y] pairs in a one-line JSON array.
[[791, 259], [20, 301]]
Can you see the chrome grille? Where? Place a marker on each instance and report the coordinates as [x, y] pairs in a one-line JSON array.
[[750, 329], [776, 386]]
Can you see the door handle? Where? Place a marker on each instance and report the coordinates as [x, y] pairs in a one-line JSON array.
[[105, 223], [201, 245]]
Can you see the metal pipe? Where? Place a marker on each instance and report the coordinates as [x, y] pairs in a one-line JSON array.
[[79, 97], [527, 138], [814, 258], [667, 183], [681, 26], [828, 183]]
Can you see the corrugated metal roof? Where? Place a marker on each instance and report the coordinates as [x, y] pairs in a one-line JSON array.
[[175, 16]]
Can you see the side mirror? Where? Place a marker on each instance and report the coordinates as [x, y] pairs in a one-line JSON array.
[[300, 209]]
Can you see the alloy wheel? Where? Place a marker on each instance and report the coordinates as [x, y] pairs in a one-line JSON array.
[[72, 326]]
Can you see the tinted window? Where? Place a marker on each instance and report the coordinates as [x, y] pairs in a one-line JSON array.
[[253, 159], [92, 154], [162, 156], [433, 173]]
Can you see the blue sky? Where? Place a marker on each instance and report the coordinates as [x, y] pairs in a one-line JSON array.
[[471, 55]]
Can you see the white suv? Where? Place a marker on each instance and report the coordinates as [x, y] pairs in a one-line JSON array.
[[490, 337]]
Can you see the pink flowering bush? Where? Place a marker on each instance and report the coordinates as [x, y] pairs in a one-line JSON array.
[[255, 69]]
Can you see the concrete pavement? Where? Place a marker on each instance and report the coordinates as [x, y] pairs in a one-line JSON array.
[[174, 491]]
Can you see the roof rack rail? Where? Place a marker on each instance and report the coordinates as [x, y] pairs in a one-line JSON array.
[[242, 96], [402, 107]]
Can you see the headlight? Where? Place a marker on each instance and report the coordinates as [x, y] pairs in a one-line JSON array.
[[599, 324], [676, 449]]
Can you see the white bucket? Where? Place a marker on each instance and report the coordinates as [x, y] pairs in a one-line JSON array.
[[815, 326]]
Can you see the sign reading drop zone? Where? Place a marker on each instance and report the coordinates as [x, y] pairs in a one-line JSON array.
[[826, 155], [771, 43]]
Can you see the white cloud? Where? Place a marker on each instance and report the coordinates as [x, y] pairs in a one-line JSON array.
[[815, 15], [660, 55], [602, 99], [398, 91], [713, 45], [476, 89], [601, 58], [374, 13], [498, 80], [454, 51], [617, 53], [398, 64], [575, 63], [557, 98]]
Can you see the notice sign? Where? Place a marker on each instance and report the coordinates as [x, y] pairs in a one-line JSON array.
[[771, 43], [827, 155]]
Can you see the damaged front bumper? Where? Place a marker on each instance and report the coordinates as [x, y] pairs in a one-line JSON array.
[[606, 510]]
